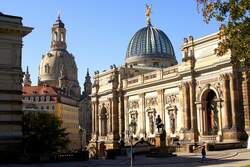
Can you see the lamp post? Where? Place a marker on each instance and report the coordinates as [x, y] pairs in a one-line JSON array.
[[131, 129]]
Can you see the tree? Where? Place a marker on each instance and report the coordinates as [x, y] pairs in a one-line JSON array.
[[43, 134], [234, 17]]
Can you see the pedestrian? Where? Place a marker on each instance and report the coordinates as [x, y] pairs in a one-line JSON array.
[[203, 153]]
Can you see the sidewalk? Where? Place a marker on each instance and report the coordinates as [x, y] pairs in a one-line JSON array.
[[232, 158]]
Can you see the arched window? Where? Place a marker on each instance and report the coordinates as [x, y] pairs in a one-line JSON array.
[[103, 121], [54, 36], [47, 68], [62, 37]]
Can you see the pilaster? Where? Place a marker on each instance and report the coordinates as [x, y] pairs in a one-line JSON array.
[[246, 99], [226, 101], [142, 118]]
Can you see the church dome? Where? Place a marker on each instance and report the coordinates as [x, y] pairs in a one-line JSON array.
[[150, 46], [58, 67], [52, 64], [150, 43]]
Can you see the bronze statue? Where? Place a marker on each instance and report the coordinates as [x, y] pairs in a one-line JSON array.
[[148, 13], [148, 10], [159, 123]]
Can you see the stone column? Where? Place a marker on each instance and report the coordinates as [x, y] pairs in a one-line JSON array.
[[115, 121], [226, 107], [96, 118], [143, 116], [199, 118], [186, 108], [234, 99], [126, 115], [110, 115], [93, 118], [121, 116], [192, 105], [180, 113], [219, 121], [204, 118], [246, 99]]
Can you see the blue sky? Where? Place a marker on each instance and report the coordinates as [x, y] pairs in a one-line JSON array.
[[98, 31]]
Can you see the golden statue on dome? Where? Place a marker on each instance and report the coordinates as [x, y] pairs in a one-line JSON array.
[[148, 13]]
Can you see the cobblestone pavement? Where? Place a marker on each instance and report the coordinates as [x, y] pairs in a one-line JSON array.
[[228, 158]]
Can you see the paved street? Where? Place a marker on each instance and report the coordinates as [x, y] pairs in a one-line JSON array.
[[232, 158]]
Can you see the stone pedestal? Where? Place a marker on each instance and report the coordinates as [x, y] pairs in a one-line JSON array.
[[160, 140], [191, 135]]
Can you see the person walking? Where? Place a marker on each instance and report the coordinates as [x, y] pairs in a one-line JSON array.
[[203, 153]]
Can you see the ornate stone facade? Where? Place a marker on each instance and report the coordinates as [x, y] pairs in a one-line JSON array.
[[204, 98]]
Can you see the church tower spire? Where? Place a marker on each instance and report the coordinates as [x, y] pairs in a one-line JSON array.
[[27, 80], [87, 83], [58, 35]]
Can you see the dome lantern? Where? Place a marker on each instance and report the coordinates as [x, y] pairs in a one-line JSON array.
[[58, 35]]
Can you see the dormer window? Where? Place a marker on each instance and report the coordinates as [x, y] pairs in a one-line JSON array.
[[47, 98], [47, 68]]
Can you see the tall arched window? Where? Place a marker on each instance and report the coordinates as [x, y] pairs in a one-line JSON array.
[[103, 121], [54, 36], [62, 37]]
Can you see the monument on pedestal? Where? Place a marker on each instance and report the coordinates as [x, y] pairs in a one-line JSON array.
[[161, 150], [160, 137]]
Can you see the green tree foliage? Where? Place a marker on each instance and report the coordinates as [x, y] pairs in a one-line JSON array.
[[234, 17], [43, 134]]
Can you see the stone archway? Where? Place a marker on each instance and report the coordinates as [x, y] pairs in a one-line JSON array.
[[210, 113]]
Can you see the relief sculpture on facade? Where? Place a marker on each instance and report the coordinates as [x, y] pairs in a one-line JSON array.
[[171, 102]]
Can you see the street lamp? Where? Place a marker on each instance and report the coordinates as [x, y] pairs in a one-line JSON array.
[[80, 133], [131, 129]]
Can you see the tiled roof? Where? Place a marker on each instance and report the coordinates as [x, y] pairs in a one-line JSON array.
[[39, 90]]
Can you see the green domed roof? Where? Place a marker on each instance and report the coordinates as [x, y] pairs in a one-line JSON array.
[[150, 42]]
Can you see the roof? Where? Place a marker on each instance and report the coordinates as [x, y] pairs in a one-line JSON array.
[[39, 90], [150, 42]]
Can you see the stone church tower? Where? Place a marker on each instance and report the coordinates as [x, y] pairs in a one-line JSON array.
[[27, 80], [85, 109], [58, 67]]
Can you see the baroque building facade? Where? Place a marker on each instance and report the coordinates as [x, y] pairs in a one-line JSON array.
[[204, 98], [58, 90], [12, 32]]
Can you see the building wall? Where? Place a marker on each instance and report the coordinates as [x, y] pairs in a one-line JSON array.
[[11, 33], [85, 119], [70, 121], [180, 95]]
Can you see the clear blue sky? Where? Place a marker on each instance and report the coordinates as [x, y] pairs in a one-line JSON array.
[[98, 31]]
